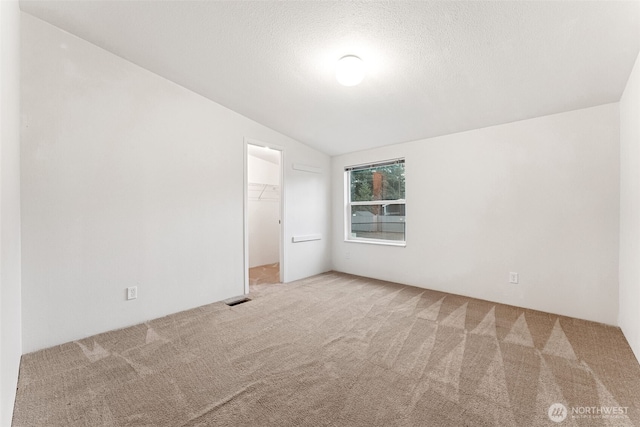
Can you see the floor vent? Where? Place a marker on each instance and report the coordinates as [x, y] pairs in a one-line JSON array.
[[235, 301]]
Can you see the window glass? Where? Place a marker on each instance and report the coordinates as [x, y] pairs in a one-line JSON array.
[[376, 202], [378, 183]]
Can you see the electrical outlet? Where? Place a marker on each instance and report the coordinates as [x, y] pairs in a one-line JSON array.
[[513, 278], [132, 292], [347, 255]]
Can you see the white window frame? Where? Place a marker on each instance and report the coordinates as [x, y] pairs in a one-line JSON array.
[[348, 204]]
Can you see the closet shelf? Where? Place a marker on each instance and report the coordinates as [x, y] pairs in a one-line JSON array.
[[259, 191]]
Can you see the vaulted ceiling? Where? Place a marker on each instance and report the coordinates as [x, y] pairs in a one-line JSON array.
[[433, 68]]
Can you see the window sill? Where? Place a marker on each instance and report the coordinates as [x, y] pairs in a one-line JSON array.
[[377, 242]]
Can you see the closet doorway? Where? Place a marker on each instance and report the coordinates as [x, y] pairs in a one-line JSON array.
[[263, 215]]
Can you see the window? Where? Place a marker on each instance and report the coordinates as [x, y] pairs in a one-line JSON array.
[[375, 210]]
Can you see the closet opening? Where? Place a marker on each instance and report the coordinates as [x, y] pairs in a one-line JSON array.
[[263, 223]]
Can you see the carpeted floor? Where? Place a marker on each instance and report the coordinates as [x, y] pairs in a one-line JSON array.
[[264, 274], [338, 350]]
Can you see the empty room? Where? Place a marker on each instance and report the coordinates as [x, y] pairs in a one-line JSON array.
[[319, 213]]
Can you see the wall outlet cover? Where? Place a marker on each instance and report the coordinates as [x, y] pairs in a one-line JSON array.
[[132, 292]]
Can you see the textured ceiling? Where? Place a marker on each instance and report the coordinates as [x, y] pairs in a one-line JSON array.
[[433, 68]]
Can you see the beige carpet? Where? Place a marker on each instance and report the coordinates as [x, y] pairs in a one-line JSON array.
[[264, 274], [338, 350]]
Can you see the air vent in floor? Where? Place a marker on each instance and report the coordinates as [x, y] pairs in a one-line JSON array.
[[237, 300]]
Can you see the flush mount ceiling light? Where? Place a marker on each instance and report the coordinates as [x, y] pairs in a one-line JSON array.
[[350, 70]]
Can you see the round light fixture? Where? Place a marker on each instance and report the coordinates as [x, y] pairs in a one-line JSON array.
[[350, 70]]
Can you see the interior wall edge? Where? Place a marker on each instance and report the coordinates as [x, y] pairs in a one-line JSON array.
[[629, 270]]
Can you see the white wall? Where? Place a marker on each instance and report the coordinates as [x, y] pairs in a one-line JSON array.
[[264, 213], [129, 179], [538, 197], [10, 317], [629, 319], [260, 171], [264, 232]]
